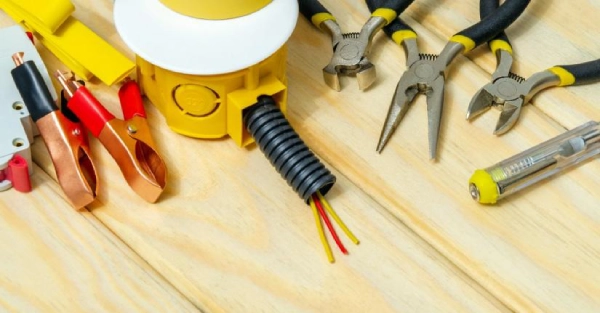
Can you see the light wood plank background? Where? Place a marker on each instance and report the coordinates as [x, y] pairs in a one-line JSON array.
[[230, 235]]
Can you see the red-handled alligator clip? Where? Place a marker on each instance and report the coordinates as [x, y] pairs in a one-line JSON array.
[[65, 139], [128, 141]]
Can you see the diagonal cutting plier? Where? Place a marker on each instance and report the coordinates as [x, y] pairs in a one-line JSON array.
[[426, 72], [350, 50], [510, 92]]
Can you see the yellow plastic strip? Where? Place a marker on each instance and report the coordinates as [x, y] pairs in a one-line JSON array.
[[388, 14], [499, 44], [566, 78], [321, 232], [467, 42], [337, 219], [79, 48], [49, 13], [401, 35], [319, 18]]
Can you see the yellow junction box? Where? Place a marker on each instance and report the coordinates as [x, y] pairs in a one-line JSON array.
[[212, 106]]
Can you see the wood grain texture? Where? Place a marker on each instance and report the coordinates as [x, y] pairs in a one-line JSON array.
[[232, 236], [257, 250], [55, 259], [536, 251]]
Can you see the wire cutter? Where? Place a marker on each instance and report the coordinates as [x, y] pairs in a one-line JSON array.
[[63, 134], [426, 72], [350, 50], [128, 141], [510, 92]]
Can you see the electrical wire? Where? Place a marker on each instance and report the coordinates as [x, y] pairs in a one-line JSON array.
[[321, 232], [336, 238], [337, 219]]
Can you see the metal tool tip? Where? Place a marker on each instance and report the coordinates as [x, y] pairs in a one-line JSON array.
[[474, 191], [18, 58]]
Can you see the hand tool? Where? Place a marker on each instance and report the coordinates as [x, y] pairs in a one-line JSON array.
[[510, 92], [489, 185], [128, 141], [350, 50], [426, 72], [71, 41], [65, 139]]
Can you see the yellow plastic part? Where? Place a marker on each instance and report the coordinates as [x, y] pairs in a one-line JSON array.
[[388, 14], [499, 44], [488, 190], [401, 35], [467, 42], [79, 48], [212, 107], [566, 78], [216, 9], [319, 18]]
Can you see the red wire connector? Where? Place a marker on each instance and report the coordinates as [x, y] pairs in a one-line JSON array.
[[17, 172]]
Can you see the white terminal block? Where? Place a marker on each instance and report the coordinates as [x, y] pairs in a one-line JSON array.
[[18, 130]]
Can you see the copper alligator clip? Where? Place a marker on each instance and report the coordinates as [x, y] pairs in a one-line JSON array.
[[65, 139], [128, 141]]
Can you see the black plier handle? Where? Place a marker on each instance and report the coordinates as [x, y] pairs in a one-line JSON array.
[[314, 11], [491, 25], [500, 42]]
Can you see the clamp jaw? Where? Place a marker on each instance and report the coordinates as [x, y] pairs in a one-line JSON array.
[[128, 141], [350, 53]]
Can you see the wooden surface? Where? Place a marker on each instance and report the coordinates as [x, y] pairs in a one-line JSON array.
[[230, 236]]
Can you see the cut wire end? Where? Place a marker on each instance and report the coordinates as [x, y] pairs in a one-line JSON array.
[[320, 208]]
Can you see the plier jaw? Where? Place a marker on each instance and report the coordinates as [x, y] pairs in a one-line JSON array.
[[504, 93], [128, 141], [350, 53]]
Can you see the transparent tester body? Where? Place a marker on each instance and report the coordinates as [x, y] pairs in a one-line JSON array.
[[533, 165]]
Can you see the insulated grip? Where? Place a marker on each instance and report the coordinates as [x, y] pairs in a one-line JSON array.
[[89, 110], [33, 90], [491, 25], [486, 8], [397, 30], [315, 12], [578, 74], [132, 103], [388, 9]]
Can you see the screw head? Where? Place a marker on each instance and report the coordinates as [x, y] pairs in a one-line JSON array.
[[132, 129]]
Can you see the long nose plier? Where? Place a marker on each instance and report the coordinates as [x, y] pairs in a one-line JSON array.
[[350, 50], [510, 92], [426, 72]]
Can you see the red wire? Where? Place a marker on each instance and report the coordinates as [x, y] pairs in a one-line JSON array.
[[328, 223]]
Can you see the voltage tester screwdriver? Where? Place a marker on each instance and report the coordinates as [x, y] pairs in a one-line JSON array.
[[489, 185]]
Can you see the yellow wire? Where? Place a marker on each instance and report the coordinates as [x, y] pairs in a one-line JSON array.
[[321, 232], [337, 219]]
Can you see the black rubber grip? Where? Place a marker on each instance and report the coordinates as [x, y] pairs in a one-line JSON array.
[[309, 8], [486, 8], [397, 5], [395, 25], [33, 90], [285, 150], [585, 73], [496, 22], [64, 108]]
